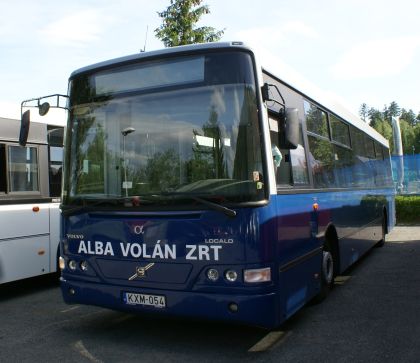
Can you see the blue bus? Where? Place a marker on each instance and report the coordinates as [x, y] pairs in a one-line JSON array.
[[199, 184]]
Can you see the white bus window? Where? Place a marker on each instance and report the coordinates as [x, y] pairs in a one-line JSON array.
[[299, 166], [3, 181], [23, 169], [55, 166]]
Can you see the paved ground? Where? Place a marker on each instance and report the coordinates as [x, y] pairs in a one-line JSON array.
[[373, 315]]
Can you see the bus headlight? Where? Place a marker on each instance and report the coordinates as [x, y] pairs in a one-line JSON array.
[[84, 266], [213, 274], [257, 275], [231, 275], [72, 265]]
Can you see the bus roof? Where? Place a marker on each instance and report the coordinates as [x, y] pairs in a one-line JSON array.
[[160, 52], [288, 76], [10, 130]]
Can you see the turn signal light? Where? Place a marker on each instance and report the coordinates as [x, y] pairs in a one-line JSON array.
[[61, 263], [257, 275]]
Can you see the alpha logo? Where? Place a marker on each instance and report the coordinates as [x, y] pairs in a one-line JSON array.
[[138, 229], [141, 272]]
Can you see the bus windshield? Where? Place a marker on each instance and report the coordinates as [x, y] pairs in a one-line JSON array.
[[184, 126]]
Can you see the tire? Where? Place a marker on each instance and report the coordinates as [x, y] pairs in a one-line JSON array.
[[327, 273]]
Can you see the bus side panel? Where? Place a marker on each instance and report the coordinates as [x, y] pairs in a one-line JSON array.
[[24, 244], [357, 217], [298, 251]]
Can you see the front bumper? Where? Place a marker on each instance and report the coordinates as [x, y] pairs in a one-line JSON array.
[[254, 309]]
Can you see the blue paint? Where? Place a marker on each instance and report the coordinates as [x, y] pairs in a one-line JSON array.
[[269, 236]]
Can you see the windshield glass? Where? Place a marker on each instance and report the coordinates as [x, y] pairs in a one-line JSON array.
[[186, 126]]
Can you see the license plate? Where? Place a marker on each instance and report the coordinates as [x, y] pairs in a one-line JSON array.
[[157, 301]]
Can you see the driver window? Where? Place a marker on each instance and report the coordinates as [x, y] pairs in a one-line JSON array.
[[281, 157]]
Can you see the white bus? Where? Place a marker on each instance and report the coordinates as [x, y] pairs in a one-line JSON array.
[[30, 187]]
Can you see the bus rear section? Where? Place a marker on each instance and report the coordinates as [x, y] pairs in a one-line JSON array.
[[28, 245], [29, 200]]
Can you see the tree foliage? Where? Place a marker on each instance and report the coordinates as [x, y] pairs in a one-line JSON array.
[[409, 125], [179, 24], [364, 111]]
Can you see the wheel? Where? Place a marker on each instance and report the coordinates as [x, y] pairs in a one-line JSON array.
[[327, 273]]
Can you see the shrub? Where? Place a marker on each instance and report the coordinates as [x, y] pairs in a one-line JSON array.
[[408, 209]]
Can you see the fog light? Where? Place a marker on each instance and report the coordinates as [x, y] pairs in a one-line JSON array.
[[72, 265], [231, 275], [212, 274], [257, 275], [84, 266], [233, 307], [71, 291], [61, 263]]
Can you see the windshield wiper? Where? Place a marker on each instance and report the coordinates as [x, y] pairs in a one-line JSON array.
[[221, 208], [149, 199], [215, 206]]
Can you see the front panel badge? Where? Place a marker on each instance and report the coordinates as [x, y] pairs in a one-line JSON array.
[[141, 272]]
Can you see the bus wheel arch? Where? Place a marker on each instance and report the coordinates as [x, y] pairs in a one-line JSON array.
[[330, 263], [331, 240]]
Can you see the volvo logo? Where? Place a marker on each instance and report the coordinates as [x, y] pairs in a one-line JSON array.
[[75, 236], [141, 272]]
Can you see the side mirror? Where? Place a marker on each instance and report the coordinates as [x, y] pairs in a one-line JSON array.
[[289, 129], [43, 108], [24, 128]]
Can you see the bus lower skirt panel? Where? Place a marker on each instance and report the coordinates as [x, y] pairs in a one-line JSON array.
[[256, 310]]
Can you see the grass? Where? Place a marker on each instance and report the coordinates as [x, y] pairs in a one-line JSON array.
[[408, 209]]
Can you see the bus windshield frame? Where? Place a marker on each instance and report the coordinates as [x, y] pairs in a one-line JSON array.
[[167, 130]]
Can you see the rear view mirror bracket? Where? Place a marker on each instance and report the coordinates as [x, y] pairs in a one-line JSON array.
[[43, 109]]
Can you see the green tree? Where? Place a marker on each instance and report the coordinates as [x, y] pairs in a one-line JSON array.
[[364, 111], [407, 136], [375, 116], [416, 144], [178, 24], [393, 110], [409, 124], [409, 116], [385, 129]]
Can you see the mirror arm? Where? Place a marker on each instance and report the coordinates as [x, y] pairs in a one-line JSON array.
[[43, 110], [38, 102], [265, 89]]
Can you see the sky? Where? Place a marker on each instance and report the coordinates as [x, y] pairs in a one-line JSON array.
[[356, 51]]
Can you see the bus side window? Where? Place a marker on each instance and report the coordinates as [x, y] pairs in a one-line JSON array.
[[55, 158], [55, 169], [281, 157], [23, 169], [3, 186]]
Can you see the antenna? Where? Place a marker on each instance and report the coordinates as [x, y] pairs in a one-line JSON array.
[[145, 41]]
